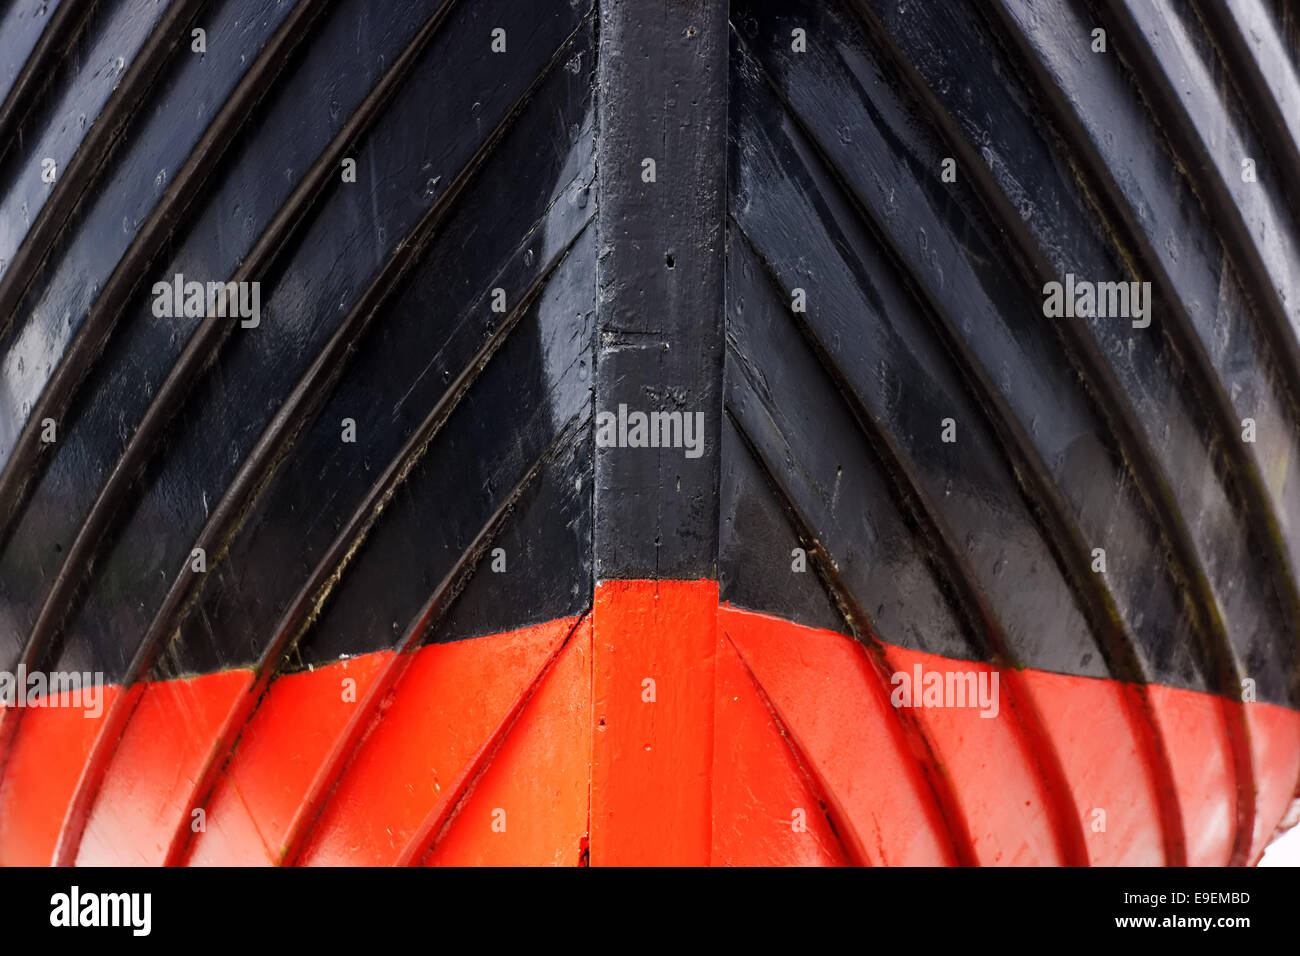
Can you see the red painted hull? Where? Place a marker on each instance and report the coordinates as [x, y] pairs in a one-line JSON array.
[[661, 729]]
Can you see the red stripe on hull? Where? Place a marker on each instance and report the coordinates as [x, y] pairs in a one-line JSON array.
[[528, 805], [1200, 758], [451, 707], [291, 733], [41, 776], [1275, 747], [661, 729], [766, 806], [827, 692], [147, 786], [652, 752]]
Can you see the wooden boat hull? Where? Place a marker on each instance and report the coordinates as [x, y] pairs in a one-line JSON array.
[[640, 433]]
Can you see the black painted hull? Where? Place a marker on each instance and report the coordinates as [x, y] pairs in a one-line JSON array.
[[816, 241]]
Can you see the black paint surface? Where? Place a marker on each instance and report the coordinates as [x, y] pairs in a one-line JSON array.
[[775, 170], [662, 97]]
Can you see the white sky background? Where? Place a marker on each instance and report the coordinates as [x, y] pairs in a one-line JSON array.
[[1284, 852]]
